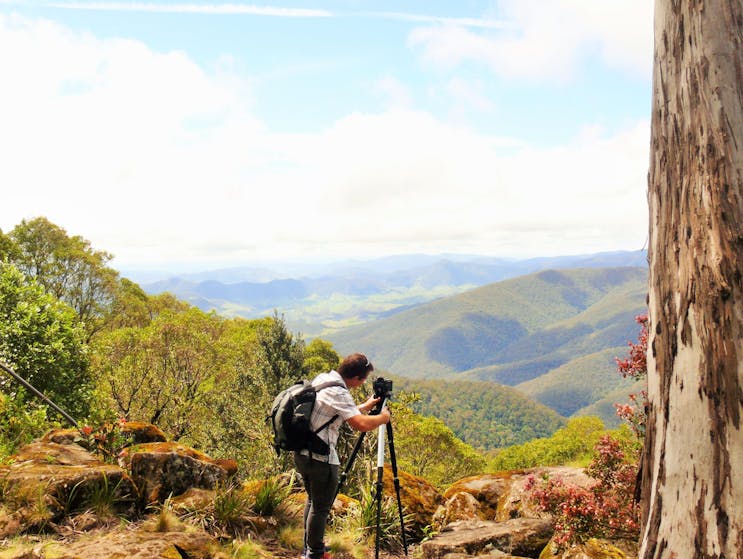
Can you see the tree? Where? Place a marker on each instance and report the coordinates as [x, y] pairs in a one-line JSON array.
[[320, 357], [692, 485], [67, 267], [162, 373], [41, 339]]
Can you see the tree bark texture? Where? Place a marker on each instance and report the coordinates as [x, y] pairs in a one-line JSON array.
[[692, 475]]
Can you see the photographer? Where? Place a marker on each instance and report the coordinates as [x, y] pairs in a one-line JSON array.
[[320, 471]]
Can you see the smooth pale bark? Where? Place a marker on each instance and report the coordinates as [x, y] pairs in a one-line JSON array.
[[692, 476]]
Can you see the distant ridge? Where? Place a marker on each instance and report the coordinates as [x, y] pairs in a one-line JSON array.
[[556, 329], [318, 299]]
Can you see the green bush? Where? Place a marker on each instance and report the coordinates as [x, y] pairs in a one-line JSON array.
[[572, 444]]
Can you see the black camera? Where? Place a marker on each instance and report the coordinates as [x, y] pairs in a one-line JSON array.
[[382, 388]]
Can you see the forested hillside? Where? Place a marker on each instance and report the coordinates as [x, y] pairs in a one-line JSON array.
[[557, 330], [482, 414]]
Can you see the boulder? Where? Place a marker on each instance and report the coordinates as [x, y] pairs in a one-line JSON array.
[[45, 480], [166, 469], [514, 502], [525, 537], [419, 498], [487, 489], [500, 496]]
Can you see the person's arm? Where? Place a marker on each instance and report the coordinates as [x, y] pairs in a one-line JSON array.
[[365, 423]]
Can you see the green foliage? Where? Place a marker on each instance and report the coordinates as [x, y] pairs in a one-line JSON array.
[[271, 494], [390, 531], [482, 414], [67, 267], [572, 444], [426, 447], [161, 373], [228, 514], [320, 357], [42, 341], [20, 422]]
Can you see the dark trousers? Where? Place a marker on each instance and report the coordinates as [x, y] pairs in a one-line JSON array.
[[320, 481]]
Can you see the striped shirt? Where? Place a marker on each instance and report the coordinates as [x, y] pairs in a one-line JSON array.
[[331, 401]]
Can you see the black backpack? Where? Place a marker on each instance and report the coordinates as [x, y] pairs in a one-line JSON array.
[[290, 418]]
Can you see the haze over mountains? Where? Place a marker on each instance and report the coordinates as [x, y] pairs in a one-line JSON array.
[[319, 298], [550, 328]]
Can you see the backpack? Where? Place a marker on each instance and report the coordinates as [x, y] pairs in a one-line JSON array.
[[290, 418]]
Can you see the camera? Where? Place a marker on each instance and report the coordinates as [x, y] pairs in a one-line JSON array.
[[382, 388]]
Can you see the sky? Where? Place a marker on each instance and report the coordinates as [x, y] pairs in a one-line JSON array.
[[214, 134]]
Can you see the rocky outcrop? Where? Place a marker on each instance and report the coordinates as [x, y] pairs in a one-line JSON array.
[[165, 469], [46, 480], [418, 497], [140, 544], [520, 537], [480, 513], [499, 496]]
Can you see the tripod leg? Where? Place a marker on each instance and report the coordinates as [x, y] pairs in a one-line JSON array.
[[349, 464], [380, 485], [393, 461]]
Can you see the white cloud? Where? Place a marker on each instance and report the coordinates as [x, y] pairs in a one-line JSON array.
[[548, 39], [396, 93], [153, 159]]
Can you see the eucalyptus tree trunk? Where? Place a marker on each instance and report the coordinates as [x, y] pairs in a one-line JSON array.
[[692, 478]]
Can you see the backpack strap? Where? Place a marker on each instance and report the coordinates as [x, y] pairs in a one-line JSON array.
[[323, 386]]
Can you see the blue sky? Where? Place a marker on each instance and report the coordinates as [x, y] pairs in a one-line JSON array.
[[224, 133]]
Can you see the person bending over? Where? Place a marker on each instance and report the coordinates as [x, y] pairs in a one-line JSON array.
[[320, 470]]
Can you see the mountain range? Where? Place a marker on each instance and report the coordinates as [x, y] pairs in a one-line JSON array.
[[318, 299], [553, 335], [546, 330]]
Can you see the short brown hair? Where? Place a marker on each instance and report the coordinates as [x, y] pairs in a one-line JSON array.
[[356, 365]]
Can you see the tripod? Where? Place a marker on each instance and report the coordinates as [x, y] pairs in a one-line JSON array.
[[382, 430]]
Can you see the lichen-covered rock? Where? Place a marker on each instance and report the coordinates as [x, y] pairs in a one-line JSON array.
[[486, 489], [520, 537], [593, 549], [460, 506], [44, 480], [419, 498], [168, 469], [140, 544]]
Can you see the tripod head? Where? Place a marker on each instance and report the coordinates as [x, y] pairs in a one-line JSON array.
[[382, 389]]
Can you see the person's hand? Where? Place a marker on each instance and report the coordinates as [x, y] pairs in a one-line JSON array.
[[369, 404], [385, 415]]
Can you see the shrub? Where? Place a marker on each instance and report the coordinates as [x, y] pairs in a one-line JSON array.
[[605, 510]]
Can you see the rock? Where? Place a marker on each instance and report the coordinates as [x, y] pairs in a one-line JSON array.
[[594, 549], [486, 489], [419, 498], [168, 469], [514, 503], [139, 544], [520, 537], [460, 506], [45, 480], [501, 496]]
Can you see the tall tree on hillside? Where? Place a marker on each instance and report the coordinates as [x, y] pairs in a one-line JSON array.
[[692, 479], [67, 267]]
